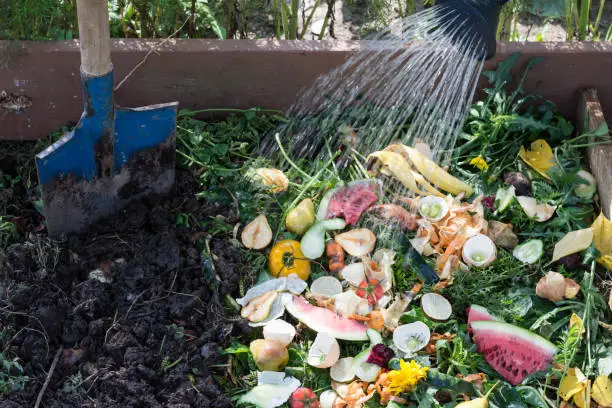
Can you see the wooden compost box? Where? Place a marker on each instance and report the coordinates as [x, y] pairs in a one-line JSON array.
[[203, 74]]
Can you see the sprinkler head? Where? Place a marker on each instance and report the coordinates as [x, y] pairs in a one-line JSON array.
[[480, 17]]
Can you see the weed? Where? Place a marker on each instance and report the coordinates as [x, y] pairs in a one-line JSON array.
[[11, 375]]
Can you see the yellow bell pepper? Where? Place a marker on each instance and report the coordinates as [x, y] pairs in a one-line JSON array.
[[286, 258]]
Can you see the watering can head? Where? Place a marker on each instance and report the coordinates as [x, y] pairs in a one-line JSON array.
[[476, 18]]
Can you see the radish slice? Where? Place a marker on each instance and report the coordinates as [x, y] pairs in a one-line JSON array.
[[343, 371], [272, 393], [353, 273], [326, 286], [479, 251], [539, 212], [436, 306], [279, 330], [411, 337], [433, 208], [327, 398], [324, 352]]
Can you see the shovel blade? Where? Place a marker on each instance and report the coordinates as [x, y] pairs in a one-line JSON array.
[[141, 162]]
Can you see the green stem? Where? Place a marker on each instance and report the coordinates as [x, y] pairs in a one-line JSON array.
[[309, 19], [286, 156], [585, 8], [602, 4]]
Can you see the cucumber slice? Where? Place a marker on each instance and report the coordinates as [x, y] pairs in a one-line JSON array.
[[313, 241], [334, 224], [529, 252], [504, 197], [363, 370], [375, 337], [343, 371]]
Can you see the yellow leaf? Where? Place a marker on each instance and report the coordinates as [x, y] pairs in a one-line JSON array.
[[575, 320], [602, 238], [602, 391], [572, 242], [573, 383], [540, 157]]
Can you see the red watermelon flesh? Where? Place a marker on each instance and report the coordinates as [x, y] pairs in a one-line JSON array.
[[512, 351], [324, 320], [353, 200], [478, 313]]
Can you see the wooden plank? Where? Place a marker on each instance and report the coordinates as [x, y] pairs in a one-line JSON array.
[[590, 117], [203, 74]]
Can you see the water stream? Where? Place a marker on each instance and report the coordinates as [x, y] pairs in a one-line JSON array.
[[413, 81]]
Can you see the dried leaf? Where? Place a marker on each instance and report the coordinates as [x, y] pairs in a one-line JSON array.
[[575, 320], [602, 391], [551, 287], [572, 242], [575, 384], [540, 157], [602, 238]]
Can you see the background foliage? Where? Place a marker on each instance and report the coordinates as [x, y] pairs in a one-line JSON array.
[[290, 19]]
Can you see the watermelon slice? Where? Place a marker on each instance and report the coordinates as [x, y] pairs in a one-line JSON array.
[[326, 321], [351, 201], [478, 313], [512, 351]]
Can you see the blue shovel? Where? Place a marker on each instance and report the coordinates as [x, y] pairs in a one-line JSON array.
[[114, 155]]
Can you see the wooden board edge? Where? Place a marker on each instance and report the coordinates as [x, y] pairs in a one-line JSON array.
[[590, 117]]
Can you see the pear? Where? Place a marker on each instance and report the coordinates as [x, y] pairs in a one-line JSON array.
[[257, 234], [300, 218], [269, 355], [482, 402], [358, 242], [259, 308]]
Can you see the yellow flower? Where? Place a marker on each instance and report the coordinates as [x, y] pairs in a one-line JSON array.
[[575, 384], [407, 377], [540, 157], [480, 163]]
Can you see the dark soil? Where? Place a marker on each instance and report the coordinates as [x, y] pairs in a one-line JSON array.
[[143, 330]]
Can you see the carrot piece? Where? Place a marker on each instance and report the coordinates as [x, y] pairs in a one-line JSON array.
[[335, 254]]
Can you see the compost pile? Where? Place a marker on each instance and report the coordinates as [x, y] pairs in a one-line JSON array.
[[357, 279], [387, 280]]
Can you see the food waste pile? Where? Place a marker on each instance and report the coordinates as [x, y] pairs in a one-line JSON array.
[[405, 283]]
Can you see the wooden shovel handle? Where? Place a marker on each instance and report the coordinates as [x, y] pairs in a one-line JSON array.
[[94, 35]]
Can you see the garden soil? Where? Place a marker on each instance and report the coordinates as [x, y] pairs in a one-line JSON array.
[[128, 303]]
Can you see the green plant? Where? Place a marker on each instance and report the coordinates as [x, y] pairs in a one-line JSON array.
[[11, 375], [8, 232]]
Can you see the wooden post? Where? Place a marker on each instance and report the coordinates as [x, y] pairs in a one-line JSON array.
[[590, 117]]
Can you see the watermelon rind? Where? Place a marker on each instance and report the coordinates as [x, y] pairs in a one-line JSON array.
[[323, 320], [479, 327]]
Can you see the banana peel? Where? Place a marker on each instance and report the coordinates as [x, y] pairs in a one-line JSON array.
[[431, 171], [395, 164]]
